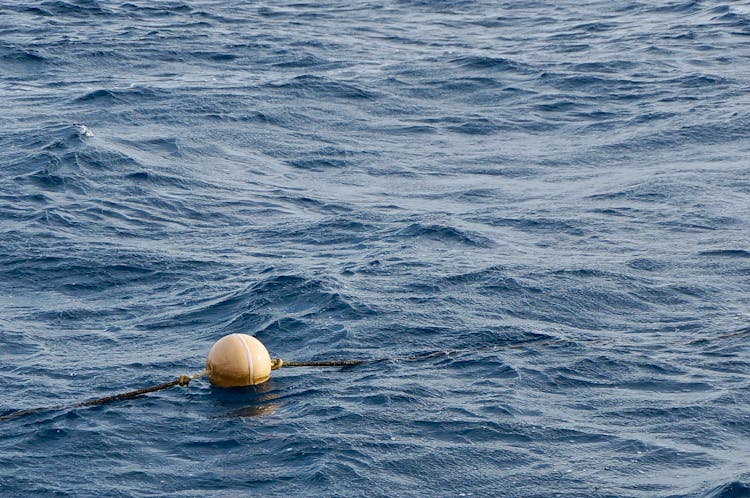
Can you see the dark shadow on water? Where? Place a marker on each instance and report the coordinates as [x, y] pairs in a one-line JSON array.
[[251, 401], [253, 411]]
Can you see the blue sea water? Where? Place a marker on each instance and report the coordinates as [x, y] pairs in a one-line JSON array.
[[556, 192]]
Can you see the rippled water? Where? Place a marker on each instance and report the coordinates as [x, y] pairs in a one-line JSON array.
[[557, 193]]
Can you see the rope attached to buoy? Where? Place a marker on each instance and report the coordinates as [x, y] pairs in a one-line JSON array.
[[277, 363], [182, 380]]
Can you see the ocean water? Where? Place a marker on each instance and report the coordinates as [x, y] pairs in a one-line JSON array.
[[556, 193]]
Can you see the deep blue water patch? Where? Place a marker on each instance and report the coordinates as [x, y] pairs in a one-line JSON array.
[[551, 196]]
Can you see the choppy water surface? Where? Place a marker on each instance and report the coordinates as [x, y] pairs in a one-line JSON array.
[[558, 191]]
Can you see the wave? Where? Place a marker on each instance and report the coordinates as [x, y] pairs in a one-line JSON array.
[[10, 54], [274, 306], [727, 253], [118, 96], [493, 64], [731, 489], [443, 233], [310, 86]]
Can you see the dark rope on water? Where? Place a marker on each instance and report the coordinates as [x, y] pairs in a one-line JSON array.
[[182, 380], [277, 363]]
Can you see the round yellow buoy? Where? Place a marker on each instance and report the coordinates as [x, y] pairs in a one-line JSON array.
[[238, 360]]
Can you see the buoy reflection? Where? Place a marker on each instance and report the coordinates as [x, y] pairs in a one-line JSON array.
[[257, 400]]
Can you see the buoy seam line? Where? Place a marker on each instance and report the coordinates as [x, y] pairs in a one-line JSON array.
[[249, 357]]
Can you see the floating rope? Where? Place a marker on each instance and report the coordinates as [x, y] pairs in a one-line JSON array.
[[182, 380], [277, 363]]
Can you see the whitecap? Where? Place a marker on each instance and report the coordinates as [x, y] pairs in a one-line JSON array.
[[84, 131]]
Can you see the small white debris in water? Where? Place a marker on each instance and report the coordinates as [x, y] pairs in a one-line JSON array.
[[85, 131]]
